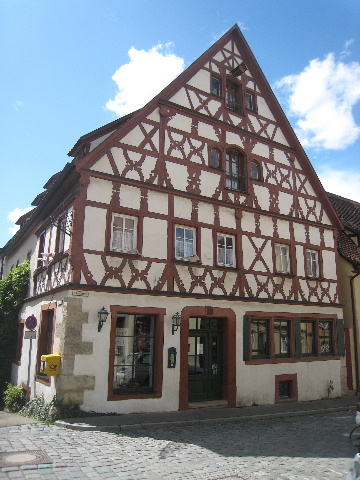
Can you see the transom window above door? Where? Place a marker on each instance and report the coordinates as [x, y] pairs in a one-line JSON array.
[[185, 245], [123, 233]]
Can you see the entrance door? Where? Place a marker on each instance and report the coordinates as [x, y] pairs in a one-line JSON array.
[[205, 359]]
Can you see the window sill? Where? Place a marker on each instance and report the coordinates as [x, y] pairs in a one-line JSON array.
[[122, 254], [227, 267], [243, 192], [286, 275], [114, 397], [187, 262], [43, 379], [265, 361]]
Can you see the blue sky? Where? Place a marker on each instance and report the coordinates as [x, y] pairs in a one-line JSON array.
[[60, 57]]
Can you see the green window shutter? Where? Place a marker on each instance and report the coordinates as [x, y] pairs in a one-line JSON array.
[[246, 337], [298, 337], [341, 337]]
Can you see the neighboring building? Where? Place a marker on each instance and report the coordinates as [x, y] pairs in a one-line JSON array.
[[202, 204], [349, 250]]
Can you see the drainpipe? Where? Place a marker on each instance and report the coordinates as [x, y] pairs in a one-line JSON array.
[[353, 308]]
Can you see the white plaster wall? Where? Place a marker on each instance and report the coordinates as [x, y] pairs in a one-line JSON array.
[[99, 190], [207, 131], [182, 208], [102, 165], [130, 196], [314, 235], [201, 80], [178, 175], [94, 228], [157, 202], [329, 264], [209, 182], [181, 122], [329, 238], [263, 108], [261, 149], [205, 212], [299, 232], [227, 217], [283, 229], [280, 157], [207, 250], [155, 238], [300, 261]]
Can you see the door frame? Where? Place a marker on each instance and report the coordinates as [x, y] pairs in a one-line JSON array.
[[229, 351]]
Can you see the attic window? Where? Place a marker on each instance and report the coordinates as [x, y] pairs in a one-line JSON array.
[[250, 101], [233, 96], [216, 86]]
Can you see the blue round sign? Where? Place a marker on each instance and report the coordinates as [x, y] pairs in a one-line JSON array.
[[31, 322]]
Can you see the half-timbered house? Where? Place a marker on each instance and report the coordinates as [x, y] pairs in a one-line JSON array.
[[199, 225]]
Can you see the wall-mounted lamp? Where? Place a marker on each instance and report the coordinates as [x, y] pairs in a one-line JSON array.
[[102, 315], [176, 319]]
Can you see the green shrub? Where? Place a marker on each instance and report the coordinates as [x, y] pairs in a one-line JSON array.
[[37, 408], [14, 398]]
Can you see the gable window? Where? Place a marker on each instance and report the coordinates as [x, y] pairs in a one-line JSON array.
[[123, 237], [226, 250], [235, 170], [255, 173], [282, 258], [60, 239], [250, 101], [216, 86], [185, 242], [134, 354], [215, 158], [312, 263], [233, 95], [40, 260]]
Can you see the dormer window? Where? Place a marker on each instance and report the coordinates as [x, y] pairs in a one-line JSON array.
[[216, 86]]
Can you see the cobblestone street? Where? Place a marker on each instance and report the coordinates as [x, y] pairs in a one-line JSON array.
[[311, 447]]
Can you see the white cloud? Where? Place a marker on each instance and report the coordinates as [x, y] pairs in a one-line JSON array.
[[322, 98], [147, 73], [14, 216], [18, 104], [341, 182]]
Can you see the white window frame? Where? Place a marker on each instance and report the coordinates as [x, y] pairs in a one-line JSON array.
[[282, 258], [312, 263], [120, 242], [185, 246], [226, 252]]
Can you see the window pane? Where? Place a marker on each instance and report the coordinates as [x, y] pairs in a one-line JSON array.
[[185, 244], [326, 338], [254, 171], [312, 263], [249, 101], [259, 338], [282, 337], [307, 338], [282, 261], [215, 158], [215, 86], [134, 352], [123, 234], [226, 250]]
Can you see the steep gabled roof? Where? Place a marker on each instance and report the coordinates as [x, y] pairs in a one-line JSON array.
[[130, 121], [348, 211]]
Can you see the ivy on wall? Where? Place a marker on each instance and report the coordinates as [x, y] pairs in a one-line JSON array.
[[13, 290]]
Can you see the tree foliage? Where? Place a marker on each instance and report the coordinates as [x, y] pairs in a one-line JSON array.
[[13, 290]]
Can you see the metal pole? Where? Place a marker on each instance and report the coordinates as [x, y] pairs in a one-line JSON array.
[[28, 379]]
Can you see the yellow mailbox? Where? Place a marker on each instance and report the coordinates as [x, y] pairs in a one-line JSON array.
[[51, 364]]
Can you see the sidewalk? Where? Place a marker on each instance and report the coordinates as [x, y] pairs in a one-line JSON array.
[[207, 416]]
